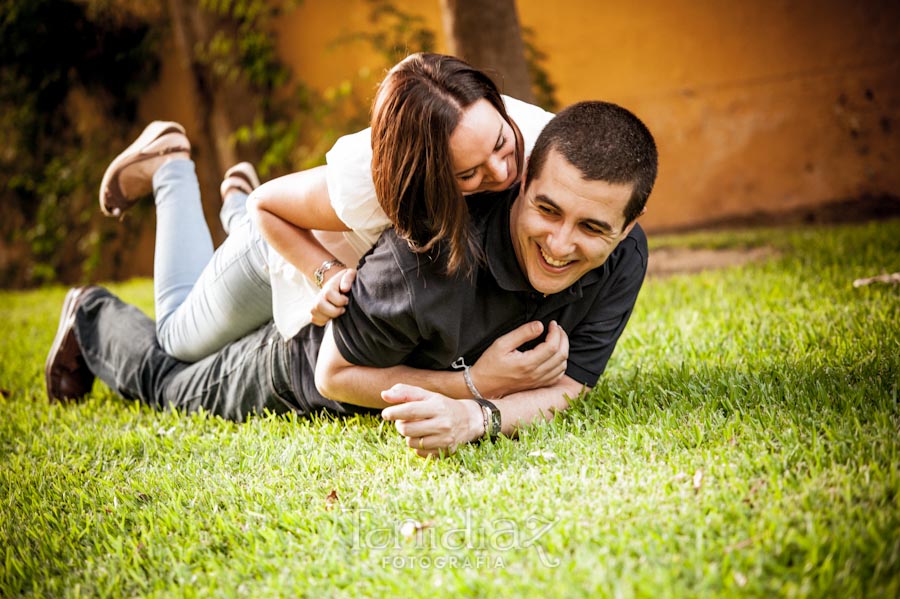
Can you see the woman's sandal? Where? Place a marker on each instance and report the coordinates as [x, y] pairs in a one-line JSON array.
[[158, 139], [240, 177]]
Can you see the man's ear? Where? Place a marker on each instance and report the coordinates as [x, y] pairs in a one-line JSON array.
[[525, 171], [633, 223]]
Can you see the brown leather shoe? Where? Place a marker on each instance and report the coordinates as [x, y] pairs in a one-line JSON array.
[[240, 177], [65, 372], [130, 175]]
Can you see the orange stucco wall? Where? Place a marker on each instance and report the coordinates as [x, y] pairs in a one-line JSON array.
[[764, 105], [756, 106]]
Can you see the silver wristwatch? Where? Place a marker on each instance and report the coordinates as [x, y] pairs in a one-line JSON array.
[[492, 420]]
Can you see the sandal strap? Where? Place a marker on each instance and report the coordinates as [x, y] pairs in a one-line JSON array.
[[234, 182]]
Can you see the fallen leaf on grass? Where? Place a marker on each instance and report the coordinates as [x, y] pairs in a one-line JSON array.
[[698, 480], [890, 279], [331, 499], [411, 527], [754, 489]]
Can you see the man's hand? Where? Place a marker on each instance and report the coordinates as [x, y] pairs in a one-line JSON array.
[[331, 301], [503, 369], [434, 425]]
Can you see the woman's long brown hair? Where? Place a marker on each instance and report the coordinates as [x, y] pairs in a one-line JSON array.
[[418, 106]]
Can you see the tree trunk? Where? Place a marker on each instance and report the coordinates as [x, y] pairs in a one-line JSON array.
[[486, 34], [221, 106]]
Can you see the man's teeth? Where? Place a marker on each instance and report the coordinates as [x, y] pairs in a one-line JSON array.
[[552, 262]]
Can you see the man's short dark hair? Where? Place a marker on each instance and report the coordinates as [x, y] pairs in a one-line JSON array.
[[606, 143]]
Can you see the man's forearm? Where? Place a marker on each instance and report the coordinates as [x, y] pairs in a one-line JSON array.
[[527, 407], [342, 381], [434, 424], [362, 385]]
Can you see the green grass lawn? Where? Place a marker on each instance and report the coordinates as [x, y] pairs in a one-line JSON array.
[[745, 441]]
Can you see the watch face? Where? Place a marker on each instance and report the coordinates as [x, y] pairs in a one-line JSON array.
[[495, 423]]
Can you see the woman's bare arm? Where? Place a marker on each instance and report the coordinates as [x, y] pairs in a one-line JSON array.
[[287, 209]]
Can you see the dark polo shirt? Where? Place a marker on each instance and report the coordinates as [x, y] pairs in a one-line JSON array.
[[404, 310]]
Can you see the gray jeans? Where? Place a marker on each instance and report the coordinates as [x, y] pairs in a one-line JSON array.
[[256, 374]]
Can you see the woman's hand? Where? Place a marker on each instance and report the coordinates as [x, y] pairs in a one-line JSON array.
[[503, 369], [331, 301]]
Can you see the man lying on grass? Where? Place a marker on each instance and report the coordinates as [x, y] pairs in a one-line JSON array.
[[559, 255]]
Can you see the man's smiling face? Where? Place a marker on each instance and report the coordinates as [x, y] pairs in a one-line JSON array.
[[563, 226]]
